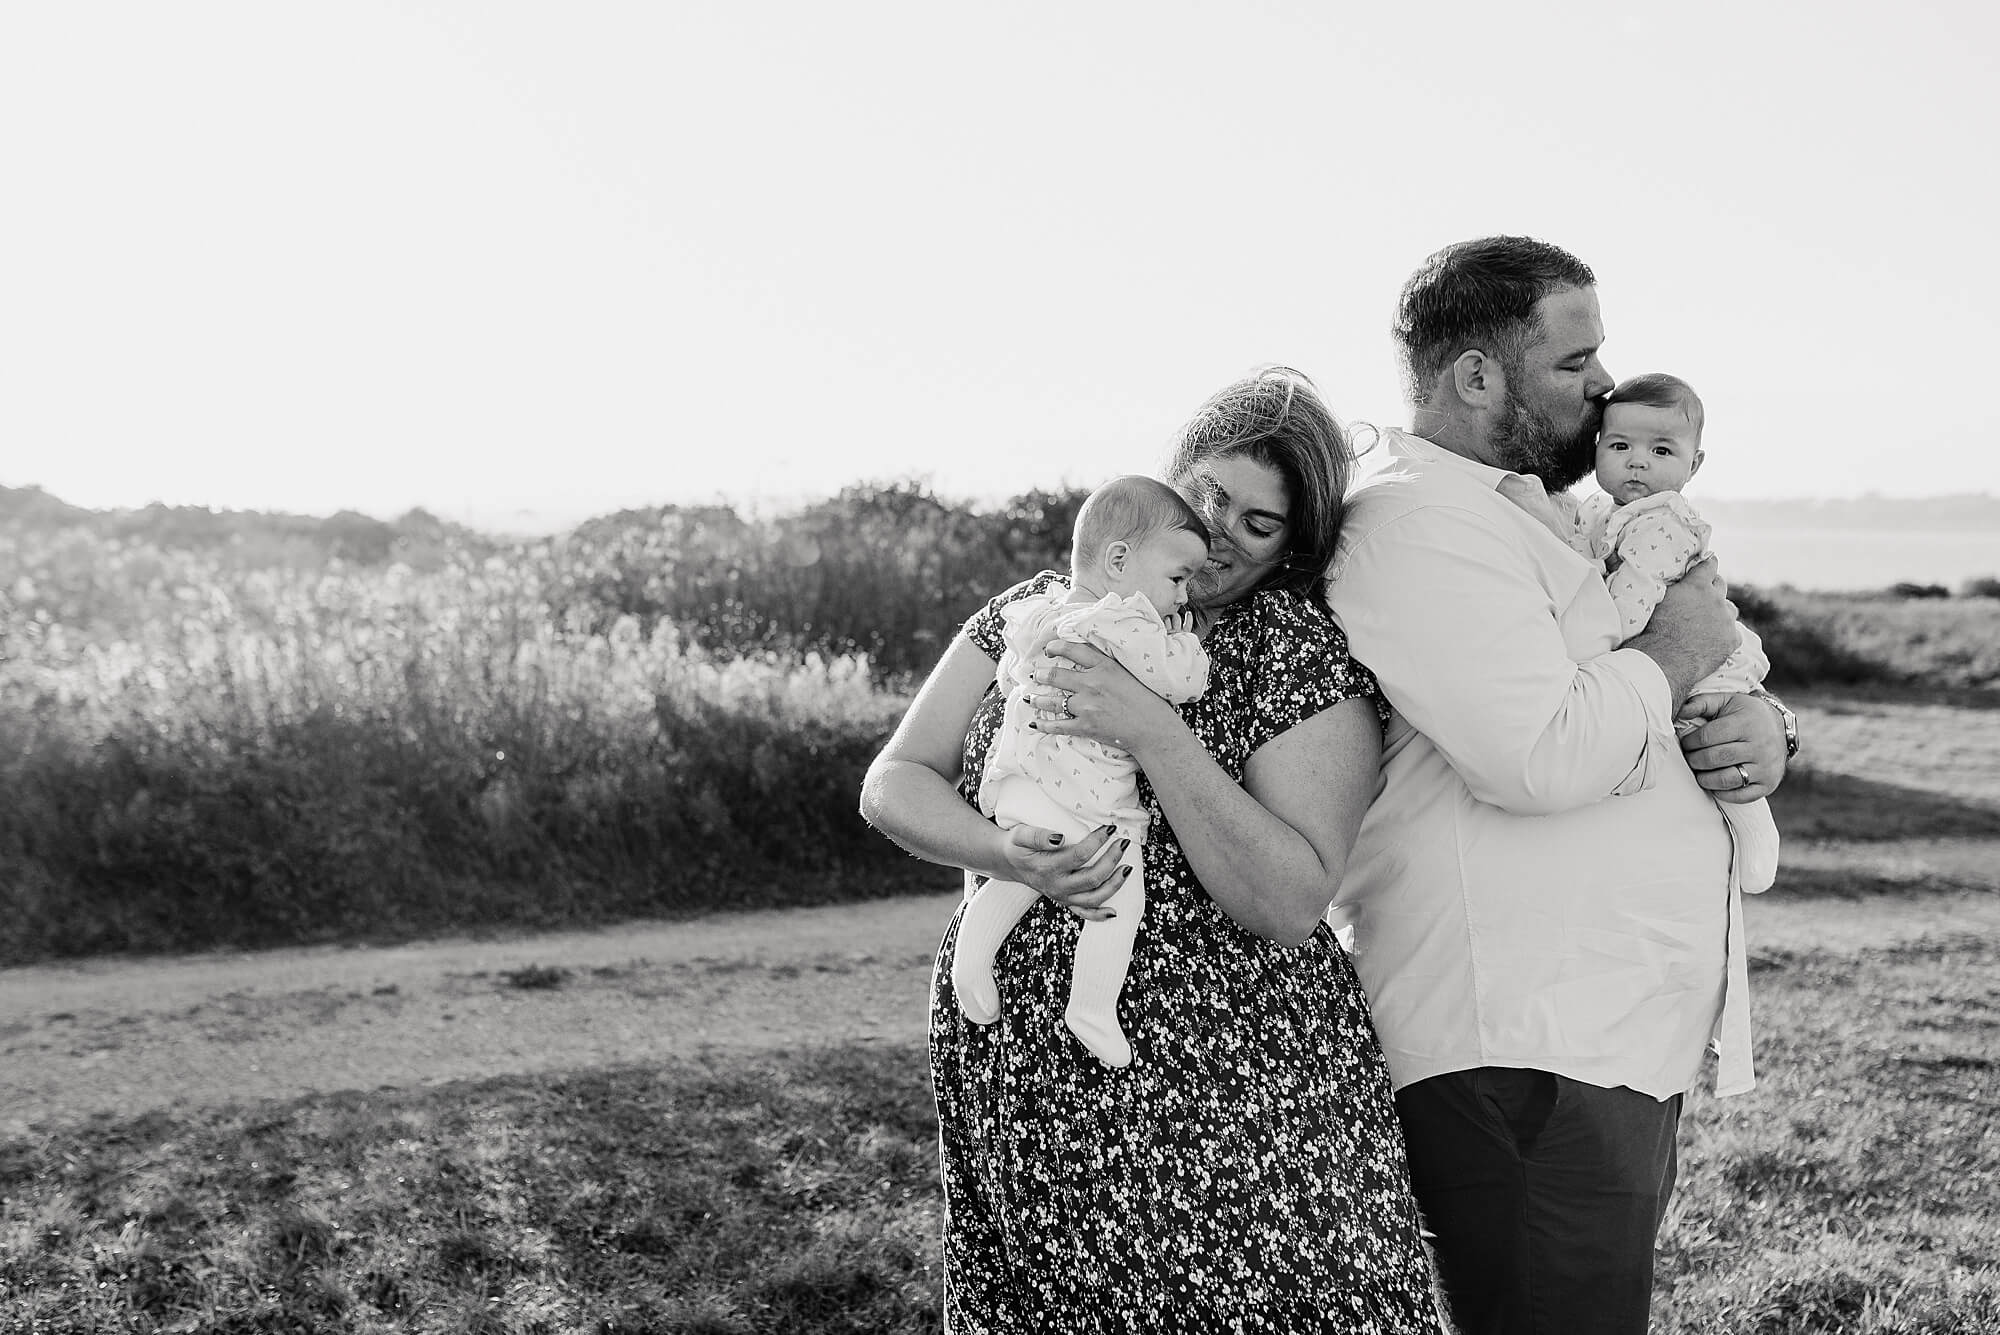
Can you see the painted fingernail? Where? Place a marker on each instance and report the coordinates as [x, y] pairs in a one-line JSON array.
[[1104, 829], [1123, 872], [1124, 847], [1055, 841], [1111, 913]]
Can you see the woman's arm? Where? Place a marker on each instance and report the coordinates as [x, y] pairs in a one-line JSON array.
[[910, 795], [1270, 851]]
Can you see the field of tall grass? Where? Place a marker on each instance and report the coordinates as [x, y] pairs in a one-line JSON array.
[[213, 736], [242, 730]]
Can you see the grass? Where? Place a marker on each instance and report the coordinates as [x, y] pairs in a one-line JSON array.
[[796, 1193], [1856, 639], [1858, 1189]]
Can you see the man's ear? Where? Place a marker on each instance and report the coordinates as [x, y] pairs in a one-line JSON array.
[[1477, 379], [1116, 555], [1695, 467]]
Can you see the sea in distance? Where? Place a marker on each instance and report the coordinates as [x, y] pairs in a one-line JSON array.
[[1865, 543]]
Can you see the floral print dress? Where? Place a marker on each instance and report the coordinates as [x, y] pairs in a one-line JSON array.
[[1245, 1172]]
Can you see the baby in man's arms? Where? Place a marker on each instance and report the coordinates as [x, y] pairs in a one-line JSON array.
[[1136, 544], [1647, 536]]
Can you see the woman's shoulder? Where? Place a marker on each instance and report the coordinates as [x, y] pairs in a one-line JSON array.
[[1301, 618], [1296, 658]]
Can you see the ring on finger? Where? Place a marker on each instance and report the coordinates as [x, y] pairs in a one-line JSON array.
[[1068, 695], [1744, 775]]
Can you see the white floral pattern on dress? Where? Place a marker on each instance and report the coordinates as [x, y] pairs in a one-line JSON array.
[[1245, 1172]]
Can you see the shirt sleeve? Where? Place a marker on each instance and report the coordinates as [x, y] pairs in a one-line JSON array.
[[1468, 646], [1300, 667]]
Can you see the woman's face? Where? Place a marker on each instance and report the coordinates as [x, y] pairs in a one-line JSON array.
[[1248, 510]]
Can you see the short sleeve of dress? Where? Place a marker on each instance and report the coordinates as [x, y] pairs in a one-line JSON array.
[[987, 629], [1302, 666]]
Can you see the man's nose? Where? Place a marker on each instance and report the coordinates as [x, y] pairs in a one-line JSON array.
[[1598, 381]]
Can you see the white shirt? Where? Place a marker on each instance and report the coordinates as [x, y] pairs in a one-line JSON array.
[[1540, 882]]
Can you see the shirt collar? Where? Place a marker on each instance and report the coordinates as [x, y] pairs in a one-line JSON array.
[[1418, 448]]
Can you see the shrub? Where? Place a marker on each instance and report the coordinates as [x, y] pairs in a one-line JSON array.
[[352, 755]]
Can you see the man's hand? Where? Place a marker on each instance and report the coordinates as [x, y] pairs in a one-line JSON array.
[[1738, 754], [1692, 630]]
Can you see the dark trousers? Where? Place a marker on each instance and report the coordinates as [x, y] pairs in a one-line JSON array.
[[1545, 1194]]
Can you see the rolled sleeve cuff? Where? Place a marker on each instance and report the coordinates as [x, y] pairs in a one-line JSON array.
[[1662, 747]]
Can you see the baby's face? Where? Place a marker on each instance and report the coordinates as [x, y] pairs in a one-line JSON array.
[[1160, 566], [1642, 449]]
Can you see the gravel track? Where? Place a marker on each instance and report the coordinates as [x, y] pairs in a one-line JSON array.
[[124, 1037]]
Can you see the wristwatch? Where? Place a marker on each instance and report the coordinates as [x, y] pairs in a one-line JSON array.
[[1785, 717]]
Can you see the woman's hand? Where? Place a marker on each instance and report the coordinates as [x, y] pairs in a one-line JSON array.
[[1069, 872], [910, 795], [1082, 692]]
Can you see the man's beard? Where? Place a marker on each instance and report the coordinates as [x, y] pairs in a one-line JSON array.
[[1529, 443]]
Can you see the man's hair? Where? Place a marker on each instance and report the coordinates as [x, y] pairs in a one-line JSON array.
[[1478, 294], [1130, 509], [1656, 389], [1277, 419]]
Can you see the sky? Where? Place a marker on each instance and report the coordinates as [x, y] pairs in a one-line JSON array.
[[522, 263]]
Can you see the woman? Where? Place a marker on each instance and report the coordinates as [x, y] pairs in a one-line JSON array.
[[1245, 1171]]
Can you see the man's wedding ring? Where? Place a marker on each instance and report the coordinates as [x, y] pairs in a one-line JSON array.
[[1744, 775]]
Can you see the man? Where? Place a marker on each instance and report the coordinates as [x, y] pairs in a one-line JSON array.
[[1540, 893]]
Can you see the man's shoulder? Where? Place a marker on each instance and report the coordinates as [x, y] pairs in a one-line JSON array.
[[1410, 485]]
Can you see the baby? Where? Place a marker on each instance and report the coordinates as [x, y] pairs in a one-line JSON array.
[[1136, 544], [1647, 535]]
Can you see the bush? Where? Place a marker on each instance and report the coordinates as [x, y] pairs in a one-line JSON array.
[[889, 572], [1905, 589], [1816, 639], [360, 757], [1983, 586]]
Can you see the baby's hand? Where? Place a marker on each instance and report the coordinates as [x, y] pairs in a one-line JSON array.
[[1179, 622]]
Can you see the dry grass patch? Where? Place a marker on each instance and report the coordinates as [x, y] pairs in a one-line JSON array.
[[791, 1194]]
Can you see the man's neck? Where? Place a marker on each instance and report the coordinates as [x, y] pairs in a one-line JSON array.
[[1455, 435]]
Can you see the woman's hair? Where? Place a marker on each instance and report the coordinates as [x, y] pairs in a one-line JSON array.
[[1276, 417]]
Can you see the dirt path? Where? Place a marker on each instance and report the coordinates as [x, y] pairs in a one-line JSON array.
[[111, 1036], [121, 1037]]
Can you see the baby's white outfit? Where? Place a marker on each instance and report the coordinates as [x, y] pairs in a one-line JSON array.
[[1646, 545], [1071, 785]]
